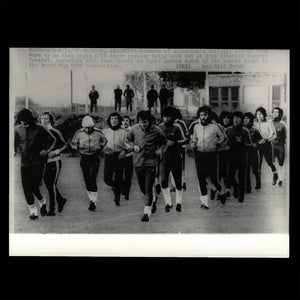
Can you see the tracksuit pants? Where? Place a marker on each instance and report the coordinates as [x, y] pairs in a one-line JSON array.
[[266, 150], [90, 167], [31, 177], [127, 175], [146, 176], [51, 174], [206, 167], [253, 163], [238, 163], [113, 173]]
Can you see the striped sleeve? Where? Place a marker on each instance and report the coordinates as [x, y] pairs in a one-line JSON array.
[[75, 140], [62, 142], [183, 140]]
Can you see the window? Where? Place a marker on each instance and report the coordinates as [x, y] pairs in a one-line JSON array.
[[224, 93], [214, 96], [224, 98]]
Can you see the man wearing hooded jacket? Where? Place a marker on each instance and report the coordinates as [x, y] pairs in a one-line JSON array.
[[35, 144], [89, 140]]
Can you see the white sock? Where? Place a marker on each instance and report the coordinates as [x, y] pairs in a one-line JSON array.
[[33, 209], [94, 196], [147, 210], [281, 173], [204, 200], [89, 195], [178, 196], [167, 195], [42, 201]]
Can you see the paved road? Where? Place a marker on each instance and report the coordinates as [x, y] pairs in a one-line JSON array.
[[264, 211]]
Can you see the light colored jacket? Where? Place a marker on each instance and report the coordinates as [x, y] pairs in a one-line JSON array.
[[207, 138], [115, 140], [266, 129], [88, 144]]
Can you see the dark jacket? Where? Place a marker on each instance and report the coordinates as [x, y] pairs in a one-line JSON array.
[[129, 94], [173, 133], [149, 140], [164, 94], [31, 141], [238, 140], [93, 95], [152, 95], [118, 94], [255, 138]]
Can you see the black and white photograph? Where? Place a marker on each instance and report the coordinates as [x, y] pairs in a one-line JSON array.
[[114, 148]]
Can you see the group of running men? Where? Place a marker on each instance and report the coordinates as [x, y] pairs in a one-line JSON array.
[[222, 146]]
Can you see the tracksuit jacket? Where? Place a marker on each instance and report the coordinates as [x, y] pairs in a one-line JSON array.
[[207, 138], [88, 144], [149, 140], [266, 129], [31, 141]]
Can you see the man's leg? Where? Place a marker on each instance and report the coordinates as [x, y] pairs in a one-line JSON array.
[[149, 181], [164, 174], [27, 188], [269, 156], [176, 170], [248, 179], [242, 164], [128, 171], [50, 177]]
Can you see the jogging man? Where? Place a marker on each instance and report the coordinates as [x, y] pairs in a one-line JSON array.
[[53, 165], [252, 152], [223, 155], [268, 133], [179, 120], [35, 144], [238, 140], [89, 140], [279, 142], [147, 141], [128, 163], [205, 140], [171, 160], [115, 151]]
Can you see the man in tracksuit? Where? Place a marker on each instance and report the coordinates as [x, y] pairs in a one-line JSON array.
[[268, 133], [279, 142], [115, 151], [53, 165], [128, 164], [252, 152], [205, 140], [171, 160], [89, 140], [238, 140], [147, 141], [35, 144]]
